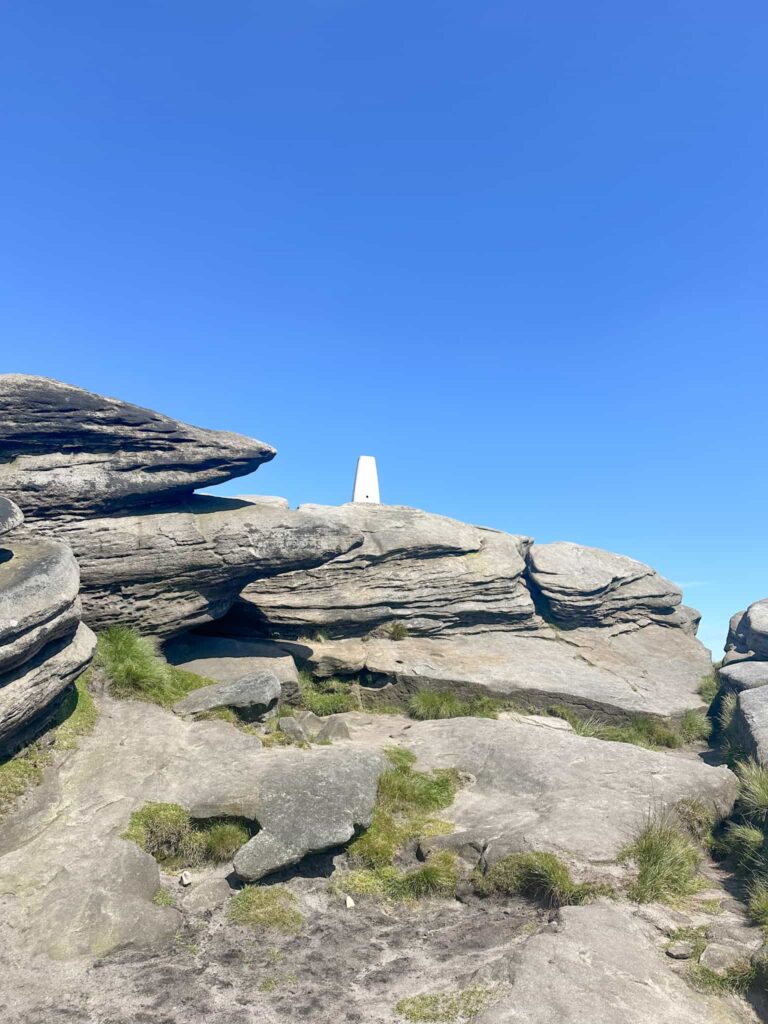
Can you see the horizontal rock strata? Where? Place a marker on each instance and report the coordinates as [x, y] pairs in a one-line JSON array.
[[67, 452]]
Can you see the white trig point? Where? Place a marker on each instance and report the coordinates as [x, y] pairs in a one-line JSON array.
[[366, 481]]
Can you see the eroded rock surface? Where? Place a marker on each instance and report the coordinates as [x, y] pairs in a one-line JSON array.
[[547, 789], [167, 571], [43, 647], [600, 963], [589, 587], [11, 515], [252, 695], [425, 573], [651, 670], [67, 452], [748, 634], [302, 800]]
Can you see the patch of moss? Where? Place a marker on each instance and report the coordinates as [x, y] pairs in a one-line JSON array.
[[438, 877], [446, 1007], [272, 907], [137, 671], [540, 876], [162, 898], [403, 805]]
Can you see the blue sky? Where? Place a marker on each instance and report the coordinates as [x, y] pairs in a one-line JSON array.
[[516, 251]]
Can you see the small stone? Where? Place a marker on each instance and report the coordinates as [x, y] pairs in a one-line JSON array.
[[680, 950], [349, 902], [185, 878]]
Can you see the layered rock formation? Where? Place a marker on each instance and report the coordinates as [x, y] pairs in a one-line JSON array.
[[43, 645], [66, 452], [745, 673]]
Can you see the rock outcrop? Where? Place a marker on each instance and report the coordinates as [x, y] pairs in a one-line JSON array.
[[425, 573], [745, 673], [66, 452], [589, 587], [43, 646], [538, 788], [748, 634]]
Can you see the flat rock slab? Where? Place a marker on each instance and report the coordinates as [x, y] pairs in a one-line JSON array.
[[226, 660], [253, 696], [547, 789], [601, 963], [652, 670], [65, 451], [138, 753]]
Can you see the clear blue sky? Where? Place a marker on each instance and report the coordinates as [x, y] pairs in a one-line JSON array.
[[517, 251]]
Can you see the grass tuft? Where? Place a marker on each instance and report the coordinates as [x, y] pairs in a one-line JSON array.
[[640, 730], [698, 819], [446, 1007], [168, 833], [432, 704], [744, 843], [727, 711], [397, 631], [709, 687], [438, 877], [137, 671], [695, 727], [326, 696], [758, 901], [667, 862], [753, 791], [272, 907], [162, 898], [539, 876]]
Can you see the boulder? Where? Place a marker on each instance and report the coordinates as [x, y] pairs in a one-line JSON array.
[[420, 573], [252, 696], [302, 801], [650, 670], [584, 586], [748, 633], [43, 647], [751, 722], [546, 789], [601, 963], [11, 515], [744, 675], [67, 452], [227, 659], [175, 568]]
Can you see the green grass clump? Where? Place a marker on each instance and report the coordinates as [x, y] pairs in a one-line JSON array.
[[696, 936], [74, 718], [758, 901], [397, 631], [539, 876], [446, 1007], [136, 670], [737, 980], [272, 907], [667, 862], [405, 801], [433, 704], [641, 730], [326, 696], [162, 898], [698, 819], [168, 832], [744, 843], [753, 791], [438, 877], [708, 687], [727, 711]]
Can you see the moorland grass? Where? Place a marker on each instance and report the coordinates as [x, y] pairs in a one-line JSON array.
[[446, 1007], [327, 696], [667, 862], [539, 876], [176, 840], [272, 907], [137, 671], [433, 704]]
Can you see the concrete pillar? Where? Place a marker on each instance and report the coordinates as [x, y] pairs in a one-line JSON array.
[[366, 481]]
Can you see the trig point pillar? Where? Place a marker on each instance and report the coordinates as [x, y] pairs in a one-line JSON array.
[[366, 481]]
